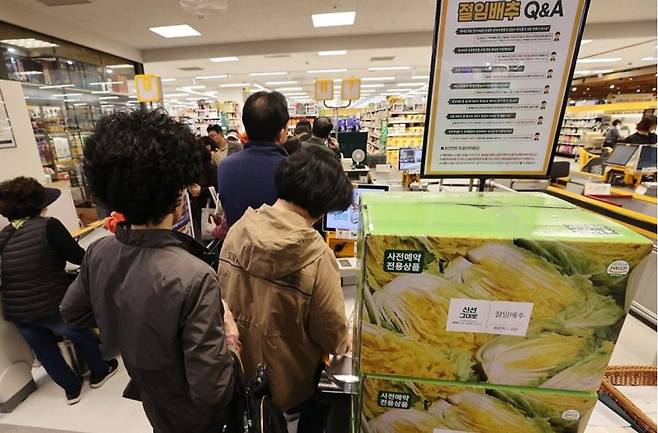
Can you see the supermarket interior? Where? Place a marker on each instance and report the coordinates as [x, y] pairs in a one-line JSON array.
[[497, 258]]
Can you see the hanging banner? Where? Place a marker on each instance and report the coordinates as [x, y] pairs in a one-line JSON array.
[[148, 87], [501, 72]]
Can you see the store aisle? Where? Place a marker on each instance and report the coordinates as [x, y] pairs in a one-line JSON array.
[[104, 411]]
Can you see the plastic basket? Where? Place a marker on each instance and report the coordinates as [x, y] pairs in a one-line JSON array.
[[630, 375]]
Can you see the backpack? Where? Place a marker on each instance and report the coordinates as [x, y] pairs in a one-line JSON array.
[[252, 407]]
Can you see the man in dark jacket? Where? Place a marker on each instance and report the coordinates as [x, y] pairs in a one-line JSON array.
[[148, 288], [322, 128], [246, 179]]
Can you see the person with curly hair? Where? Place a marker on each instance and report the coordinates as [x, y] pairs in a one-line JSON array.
[[33, 254], [148, 287]]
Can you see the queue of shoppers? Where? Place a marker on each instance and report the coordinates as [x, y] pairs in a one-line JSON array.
[[150, 291]]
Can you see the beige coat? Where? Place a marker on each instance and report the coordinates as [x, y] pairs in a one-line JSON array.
[[282, 283]]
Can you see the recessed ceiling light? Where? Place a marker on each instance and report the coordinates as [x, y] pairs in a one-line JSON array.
[[600, 60], [121, 66], [102, 83], [399, 90], [573, 89], [60, 86], [409, 84], [389, 68], [649, 59], [612, 86], [420, 77], [280, 83], [333, 19], [186, 88], [332, 53], [585, 41], [378, 79], [102, 98], [175, 31], [28, 43], [638, 90], [64, 95], [325, 71], [11, 50], [235, 85], [288, 89], [167, 80], [601, 71], [654, 89], [295, 94], [210, 77], [80, 104], [224, 59], [371, 85], [266, 74], [174, 95]]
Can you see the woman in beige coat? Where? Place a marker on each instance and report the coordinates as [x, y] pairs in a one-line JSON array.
[[281, 282]]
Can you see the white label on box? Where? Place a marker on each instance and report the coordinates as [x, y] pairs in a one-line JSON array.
[[641, 190], [468, 315], [593, 188], [509, 318]]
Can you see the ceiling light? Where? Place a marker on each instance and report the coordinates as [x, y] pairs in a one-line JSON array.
[[235, 85], [288, 89], [409, 84], [573, 89], [186, 88], [399, 90], [176, 31], [27, 73], [582, 72], [600, 60], [654, 89], [280, 83], [333, 19], [174, 95], [612, 86], [192, 99], [601, 71], [60, 86], [649, 59], [224, 59], [378, 79], [209, 77], [121, 66], [587, 89], [64, 95], [102, 83], [638, 90], [167, 80], [80, 104], [11, 50], [28, 43], [332, 53], [266, 74], [100, 91], [371, 85], [585, 41], [420, 77], [389, 68], [102, 98], [325, 71], [295, 93]]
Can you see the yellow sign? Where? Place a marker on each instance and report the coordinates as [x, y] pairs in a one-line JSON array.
[[324, 90], [350, 89], [148, 87]]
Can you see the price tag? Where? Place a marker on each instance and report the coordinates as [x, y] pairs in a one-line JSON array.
[[324, 90], [593, 188]]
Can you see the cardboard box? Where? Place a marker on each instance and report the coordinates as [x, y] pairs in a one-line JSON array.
[[518, 289], [406, 406]]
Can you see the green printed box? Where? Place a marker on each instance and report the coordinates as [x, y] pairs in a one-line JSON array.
[[399, 405], [518, 289]]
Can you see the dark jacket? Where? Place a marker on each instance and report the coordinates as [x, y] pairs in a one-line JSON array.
[[246, 179], [32, 271], [161, 305], [317, 141], [638, 138]]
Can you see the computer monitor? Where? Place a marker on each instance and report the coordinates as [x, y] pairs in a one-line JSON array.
[[647, 157], [410, 159], [349, 219], [621, 154]]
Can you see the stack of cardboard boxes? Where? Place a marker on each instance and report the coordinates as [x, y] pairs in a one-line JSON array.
[[486, 313]]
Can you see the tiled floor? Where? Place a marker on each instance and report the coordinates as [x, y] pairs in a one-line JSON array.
[[104, 411]]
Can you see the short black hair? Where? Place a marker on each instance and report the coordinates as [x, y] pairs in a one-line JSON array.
[[139, 162], [616, 122], [303, 129], [264, 115], [218, 129], [313, 179], [292, 144], [322, 127], [207, 141], [21, 197]]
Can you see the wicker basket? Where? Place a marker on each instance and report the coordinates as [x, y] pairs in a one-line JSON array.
[[630, 375]]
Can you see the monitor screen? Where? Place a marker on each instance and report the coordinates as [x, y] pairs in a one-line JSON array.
[[621, 154], [349, 219], [410, 159], [647, 157]]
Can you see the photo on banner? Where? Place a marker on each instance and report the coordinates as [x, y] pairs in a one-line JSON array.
[[501, 73]]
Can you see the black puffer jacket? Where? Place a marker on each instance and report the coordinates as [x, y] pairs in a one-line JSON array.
[[31, 272]]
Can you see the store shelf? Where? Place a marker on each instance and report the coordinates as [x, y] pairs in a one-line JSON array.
[[571, 134], [406, 121], [418, 134], [406, 112]]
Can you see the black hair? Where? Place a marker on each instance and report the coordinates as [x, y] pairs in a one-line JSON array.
[[322, 127], [616, 122], [22, 197], [205, 153], [313, 179], [646, 123], [303, 129], [264, 115], [218, 129], [139, 162], [292, 144], [207, 141]]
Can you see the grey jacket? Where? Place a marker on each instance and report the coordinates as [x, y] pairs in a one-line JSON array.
[[161, 306]]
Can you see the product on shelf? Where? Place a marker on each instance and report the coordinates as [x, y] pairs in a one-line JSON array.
[[404, 405], [450, 293]]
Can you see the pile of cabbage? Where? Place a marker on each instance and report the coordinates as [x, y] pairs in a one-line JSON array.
[[577, 311]]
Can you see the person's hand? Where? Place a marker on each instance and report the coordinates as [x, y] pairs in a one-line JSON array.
[[194, 189], [332, 143], [231, 329]]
